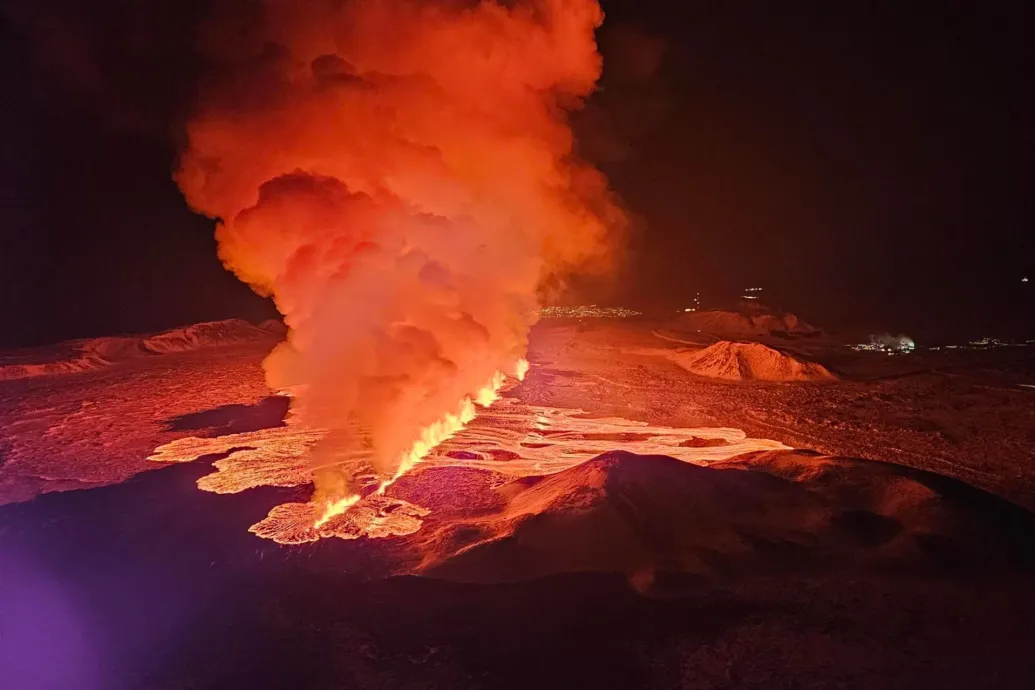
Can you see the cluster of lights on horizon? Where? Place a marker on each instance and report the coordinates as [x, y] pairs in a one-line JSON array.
[[888, 344], [984, 343], [904, 345], [591, 311], [697, 303]]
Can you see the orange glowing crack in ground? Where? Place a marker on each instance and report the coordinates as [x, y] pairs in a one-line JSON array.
[[500, 434], [430, 437]]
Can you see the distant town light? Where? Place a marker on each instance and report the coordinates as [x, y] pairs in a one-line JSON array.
[[591, 311], [890, 344], [904, 344], [746, 294], [1024, 279]]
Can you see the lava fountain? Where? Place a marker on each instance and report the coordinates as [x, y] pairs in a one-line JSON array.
[[400, 177], [430, 437]]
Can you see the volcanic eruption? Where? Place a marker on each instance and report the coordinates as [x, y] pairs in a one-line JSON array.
[[401, 178]]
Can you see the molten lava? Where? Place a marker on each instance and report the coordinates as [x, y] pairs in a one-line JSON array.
[[509, 439], [430, 437], [336, 508], [521, 369]]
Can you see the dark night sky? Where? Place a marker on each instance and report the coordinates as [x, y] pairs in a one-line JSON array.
[[868, 163]]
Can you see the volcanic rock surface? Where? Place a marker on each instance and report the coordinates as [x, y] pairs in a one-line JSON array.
[[772, 569], [761, 513], [85, 355], [732, 361]]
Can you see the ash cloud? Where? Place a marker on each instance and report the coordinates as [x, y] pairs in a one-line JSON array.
[[400, 177]]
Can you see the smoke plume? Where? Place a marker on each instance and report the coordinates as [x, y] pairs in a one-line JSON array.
[[399, 176]]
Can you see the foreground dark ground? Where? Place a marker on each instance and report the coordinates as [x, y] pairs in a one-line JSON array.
[[154, 584], [151, 583]]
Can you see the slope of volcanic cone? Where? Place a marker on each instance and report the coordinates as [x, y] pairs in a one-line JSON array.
[[208, 334], [639, 515], [731, 361], [747, 323], [77, 356], [919, 512]]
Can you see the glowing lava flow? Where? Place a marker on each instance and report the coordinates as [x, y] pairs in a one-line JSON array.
[[430, 437], [336, 508]]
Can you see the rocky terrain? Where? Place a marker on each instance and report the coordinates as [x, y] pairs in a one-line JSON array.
[[618, 517]]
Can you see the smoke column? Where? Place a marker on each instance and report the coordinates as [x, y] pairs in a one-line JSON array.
[[400, 177]]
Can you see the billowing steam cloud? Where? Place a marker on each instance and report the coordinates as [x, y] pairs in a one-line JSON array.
[[400, 177]]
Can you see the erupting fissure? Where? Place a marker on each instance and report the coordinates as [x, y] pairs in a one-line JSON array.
[[400, 176], [430, 437]]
